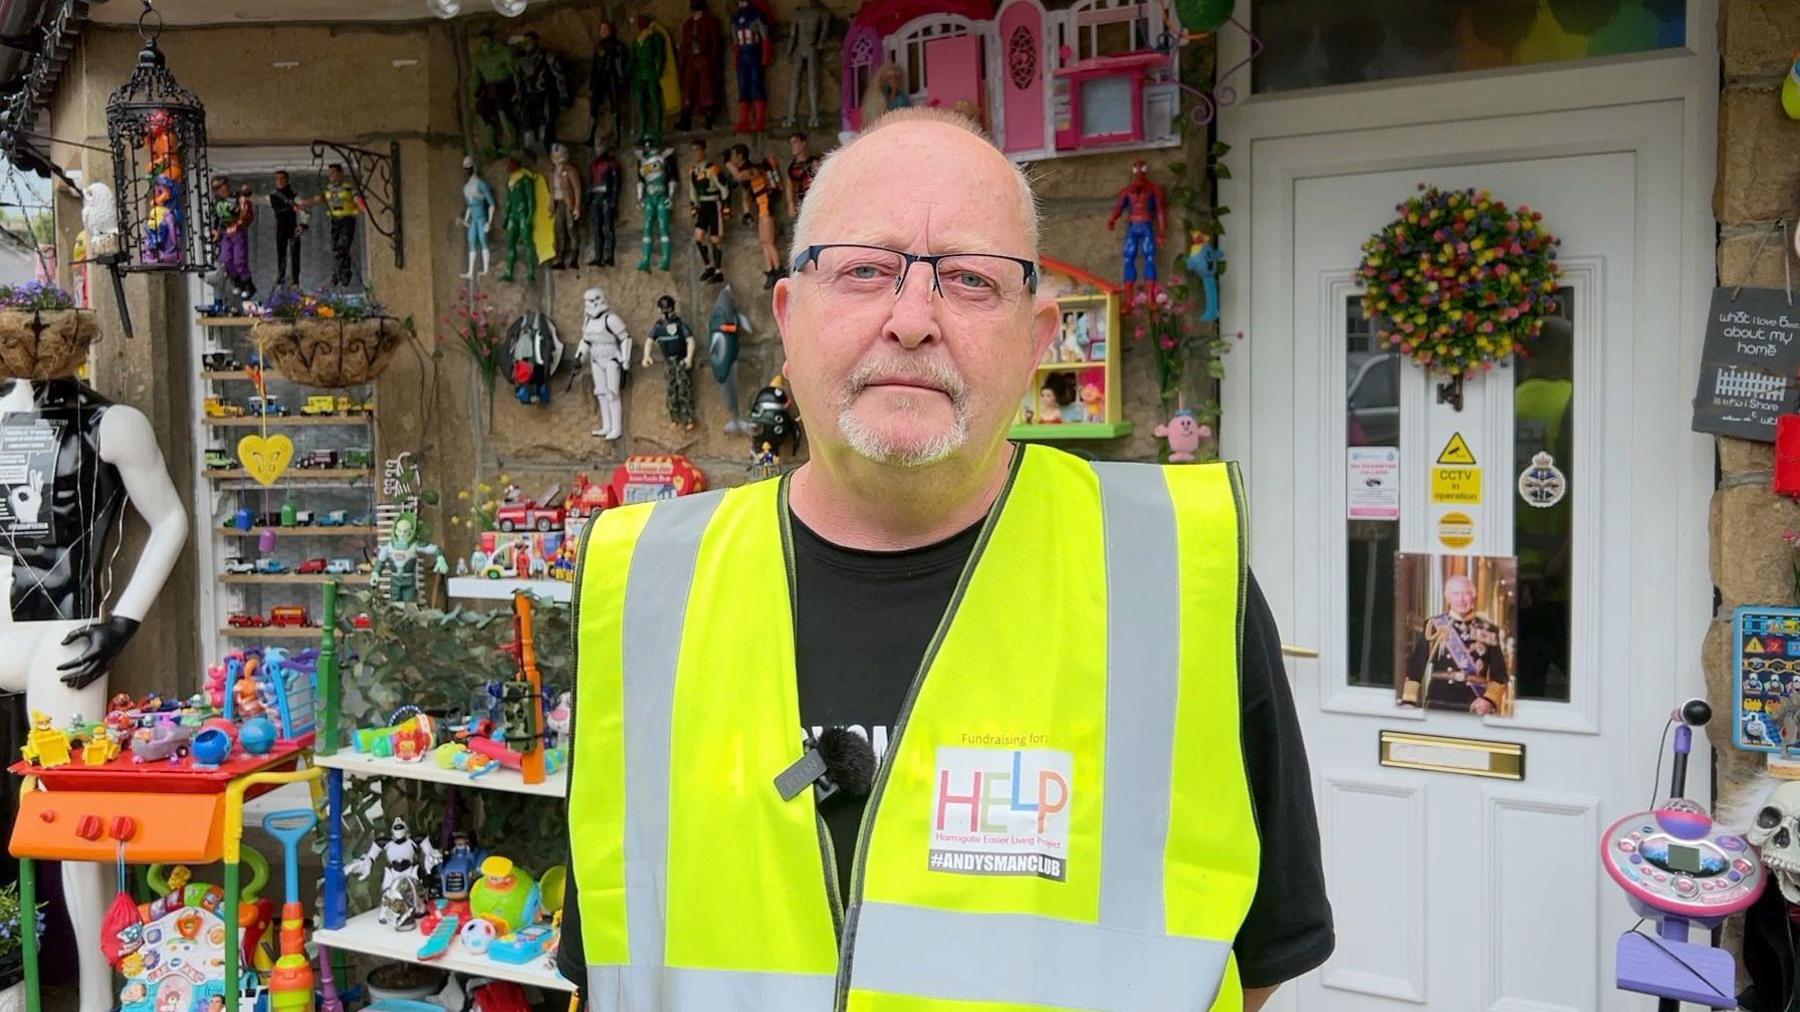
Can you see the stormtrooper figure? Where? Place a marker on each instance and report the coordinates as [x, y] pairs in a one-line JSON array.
[[76, 460], [408, 857], [606, 350]]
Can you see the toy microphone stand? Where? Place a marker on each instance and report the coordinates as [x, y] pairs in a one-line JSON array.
[[1681, 871]]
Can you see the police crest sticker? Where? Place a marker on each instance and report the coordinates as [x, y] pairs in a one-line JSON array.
[[1542, 484], [1002, 812]]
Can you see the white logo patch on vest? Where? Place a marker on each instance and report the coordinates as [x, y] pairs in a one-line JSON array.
[[1002, 812]]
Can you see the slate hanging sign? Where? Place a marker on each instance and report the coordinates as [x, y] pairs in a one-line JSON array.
[[1750, 365], [28, 451]]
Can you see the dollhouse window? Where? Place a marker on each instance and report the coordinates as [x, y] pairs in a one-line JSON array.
[[1106, 107], [1112, 27]]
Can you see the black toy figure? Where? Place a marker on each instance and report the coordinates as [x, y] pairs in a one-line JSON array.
[[536, 353], [542, 93], [774, 424], [605, 179], [672, 336], [709, 200], [609, 84], [285, 204]]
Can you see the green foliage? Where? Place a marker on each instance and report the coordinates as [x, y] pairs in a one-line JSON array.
[[10, 935], [436, 660]]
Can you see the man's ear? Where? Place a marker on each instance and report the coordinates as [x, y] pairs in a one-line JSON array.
[[1045, 318], [779, 302]]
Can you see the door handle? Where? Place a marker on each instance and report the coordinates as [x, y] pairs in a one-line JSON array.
[[1289, 650]]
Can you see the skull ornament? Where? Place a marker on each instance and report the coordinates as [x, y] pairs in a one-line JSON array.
[[1776, 833]]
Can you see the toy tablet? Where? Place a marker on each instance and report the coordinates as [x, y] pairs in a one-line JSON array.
[[1766, 710]]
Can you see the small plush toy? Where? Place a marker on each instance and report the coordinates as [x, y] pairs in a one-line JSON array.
[[1184, 433]]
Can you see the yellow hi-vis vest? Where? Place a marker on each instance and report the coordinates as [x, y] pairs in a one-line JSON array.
[[1062, 819]]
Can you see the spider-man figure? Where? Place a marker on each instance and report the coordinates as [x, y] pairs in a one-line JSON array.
[[1144, 200]]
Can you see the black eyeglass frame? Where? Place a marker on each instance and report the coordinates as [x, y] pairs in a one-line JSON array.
[[811, 255]]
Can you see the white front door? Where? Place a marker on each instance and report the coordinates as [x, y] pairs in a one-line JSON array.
[[1455, 892]]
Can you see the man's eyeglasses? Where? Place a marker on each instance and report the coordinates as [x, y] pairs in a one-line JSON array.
[[851, 273]]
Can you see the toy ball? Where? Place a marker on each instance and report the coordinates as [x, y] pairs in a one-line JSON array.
[[226, 727], [211, 746], [478, 934], [257, 735], [503, 892]]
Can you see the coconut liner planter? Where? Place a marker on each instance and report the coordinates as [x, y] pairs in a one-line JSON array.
[[329, 353], [45, 344]]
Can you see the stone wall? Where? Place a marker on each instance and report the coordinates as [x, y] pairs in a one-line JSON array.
[[1758, 183]]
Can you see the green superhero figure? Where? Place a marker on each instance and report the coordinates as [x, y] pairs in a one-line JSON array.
[[526, 196], [401, 555], [656, 176], [649, 59], [491, 85]]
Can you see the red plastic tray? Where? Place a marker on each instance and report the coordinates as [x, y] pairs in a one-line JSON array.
[[163, 777]]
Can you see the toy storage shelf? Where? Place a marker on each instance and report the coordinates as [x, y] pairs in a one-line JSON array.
[[293, 475], [283, 421], [1071, 430], [354, 578], [475, 588], [227, 321], [310, 632], [300, 531], [359, 764], [365, 934]]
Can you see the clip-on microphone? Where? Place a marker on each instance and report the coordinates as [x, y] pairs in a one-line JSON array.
[[838, 761]]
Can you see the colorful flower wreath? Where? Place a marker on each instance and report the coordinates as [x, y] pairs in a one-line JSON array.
[[1460, 281]]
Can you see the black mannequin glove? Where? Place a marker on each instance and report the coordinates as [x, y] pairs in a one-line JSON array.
[[104, 642]]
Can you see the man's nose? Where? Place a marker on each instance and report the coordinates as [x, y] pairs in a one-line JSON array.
[[914, 319]]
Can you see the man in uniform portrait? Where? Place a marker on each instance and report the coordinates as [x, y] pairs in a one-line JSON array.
[[1457, 660]]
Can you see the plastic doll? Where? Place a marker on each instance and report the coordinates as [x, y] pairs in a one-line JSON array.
[[401, 554], [604, 183], [649, 62], [675, 340], [478, 215], [812, 28], [800, 172], [1146, 220], [606, 350], [565, 201], [163, 150], [535, 351], [493, 70], [752, 25], [162, 232], [343, 204], [541, 91], [709, 197], [609, 81], [1204, 259], [725, 327], [655, 186], [289, 227], [527, 214], [702, 58], [760, 179], [1049, 410], [234, 241]]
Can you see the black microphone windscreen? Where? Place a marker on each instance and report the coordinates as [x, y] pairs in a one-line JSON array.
[[849, 760]]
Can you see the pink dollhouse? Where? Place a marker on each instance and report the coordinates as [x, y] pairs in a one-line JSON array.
[[1087, 75]]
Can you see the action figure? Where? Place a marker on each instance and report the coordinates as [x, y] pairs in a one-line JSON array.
[[605, 179], [565, 199], [702, 66], [709, 197], [343, 203], [671, 336], [1144, 202], [493, 70], [233, 214], [535, 352], [1204, 259], [407, 857], [478, 215], [760, 180], [773, 425], [606, 350], [724, 327], [541, 91], [527, 220], [649, 64], [800, 172], [812, 27], [609, 79], [751, 26], [654, 190], [401, 554], [288, 229], [162, 228]]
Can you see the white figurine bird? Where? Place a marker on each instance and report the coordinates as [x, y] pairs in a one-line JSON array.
[[100, 216]]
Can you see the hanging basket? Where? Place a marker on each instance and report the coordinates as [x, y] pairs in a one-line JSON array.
[[329, 353], [45, 344]]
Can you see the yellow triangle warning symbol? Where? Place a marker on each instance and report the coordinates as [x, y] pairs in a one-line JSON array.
[[1457, 451], [1753, 646]]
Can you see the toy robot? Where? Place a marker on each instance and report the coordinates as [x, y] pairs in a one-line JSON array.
[[606, 350], [751, 27], [492, 85], [407, 857], [1143, 204], [565, 200], [649, 59], [709, 197], [773, 425], [1204, 259], [725, 325], [702, 59], [478, 215], [609, 82], [655, 186], [535, 352], [401, 554], [604, 186], [812, 27], [541, 92], [672, 336]]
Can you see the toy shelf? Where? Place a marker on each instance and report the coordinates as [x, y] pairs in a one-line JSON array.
[[225, 374], [293, 474], [1069, 366], [282, 421], [227, 321], [344, 578], [475, 588], [359, 764], [270, 633], [299, 531], [365, 934], [1071, 430]]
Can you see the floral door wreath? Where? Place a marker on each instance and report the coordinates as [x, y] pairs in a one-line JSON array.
[[1459, 281]]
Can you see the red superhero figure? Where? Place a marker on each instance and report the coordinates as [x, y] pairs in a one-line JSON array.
[[1144, 200], [702, 62]]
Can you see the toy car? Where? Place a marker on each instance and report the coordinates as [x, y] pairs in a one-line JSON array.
[[586, 498], [240, 620], [166, 739], [356, 457], [265, 406], [220, 360], [271, 567], [313, 460], [303, 518], [334, 518], [340, 567], [320, 404], [311, 567], [268, 519], [238, 567], [529, 514], [219, 460], [219, 407], [289, 616]]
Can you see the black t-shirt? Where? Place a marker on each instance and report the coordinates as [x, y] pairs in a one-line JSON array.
[[863, 622]]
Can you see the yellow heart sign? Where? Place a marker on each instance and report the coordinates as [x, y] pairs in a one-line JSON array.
[[265, 457]]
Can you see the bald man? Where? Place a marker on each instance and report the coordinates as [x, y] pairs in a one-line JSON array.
[[1457, 661], [938, 721]]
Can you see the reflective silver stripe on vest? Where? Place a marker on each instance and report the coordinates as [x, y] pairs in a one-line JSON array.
[[679, 989], [1037, 961], [656, 596], [1143, 657]]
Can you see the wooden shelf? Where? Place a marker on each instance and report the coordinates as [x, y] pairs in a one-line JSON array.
[[267, 633], [280, 421], [280, 578], [292, 473], [307, 531], [1069, 366], [226, 321], [226, 374]]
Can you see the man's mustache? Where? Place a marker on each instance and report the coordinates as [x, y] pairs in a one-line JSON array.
[[932, 372]]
